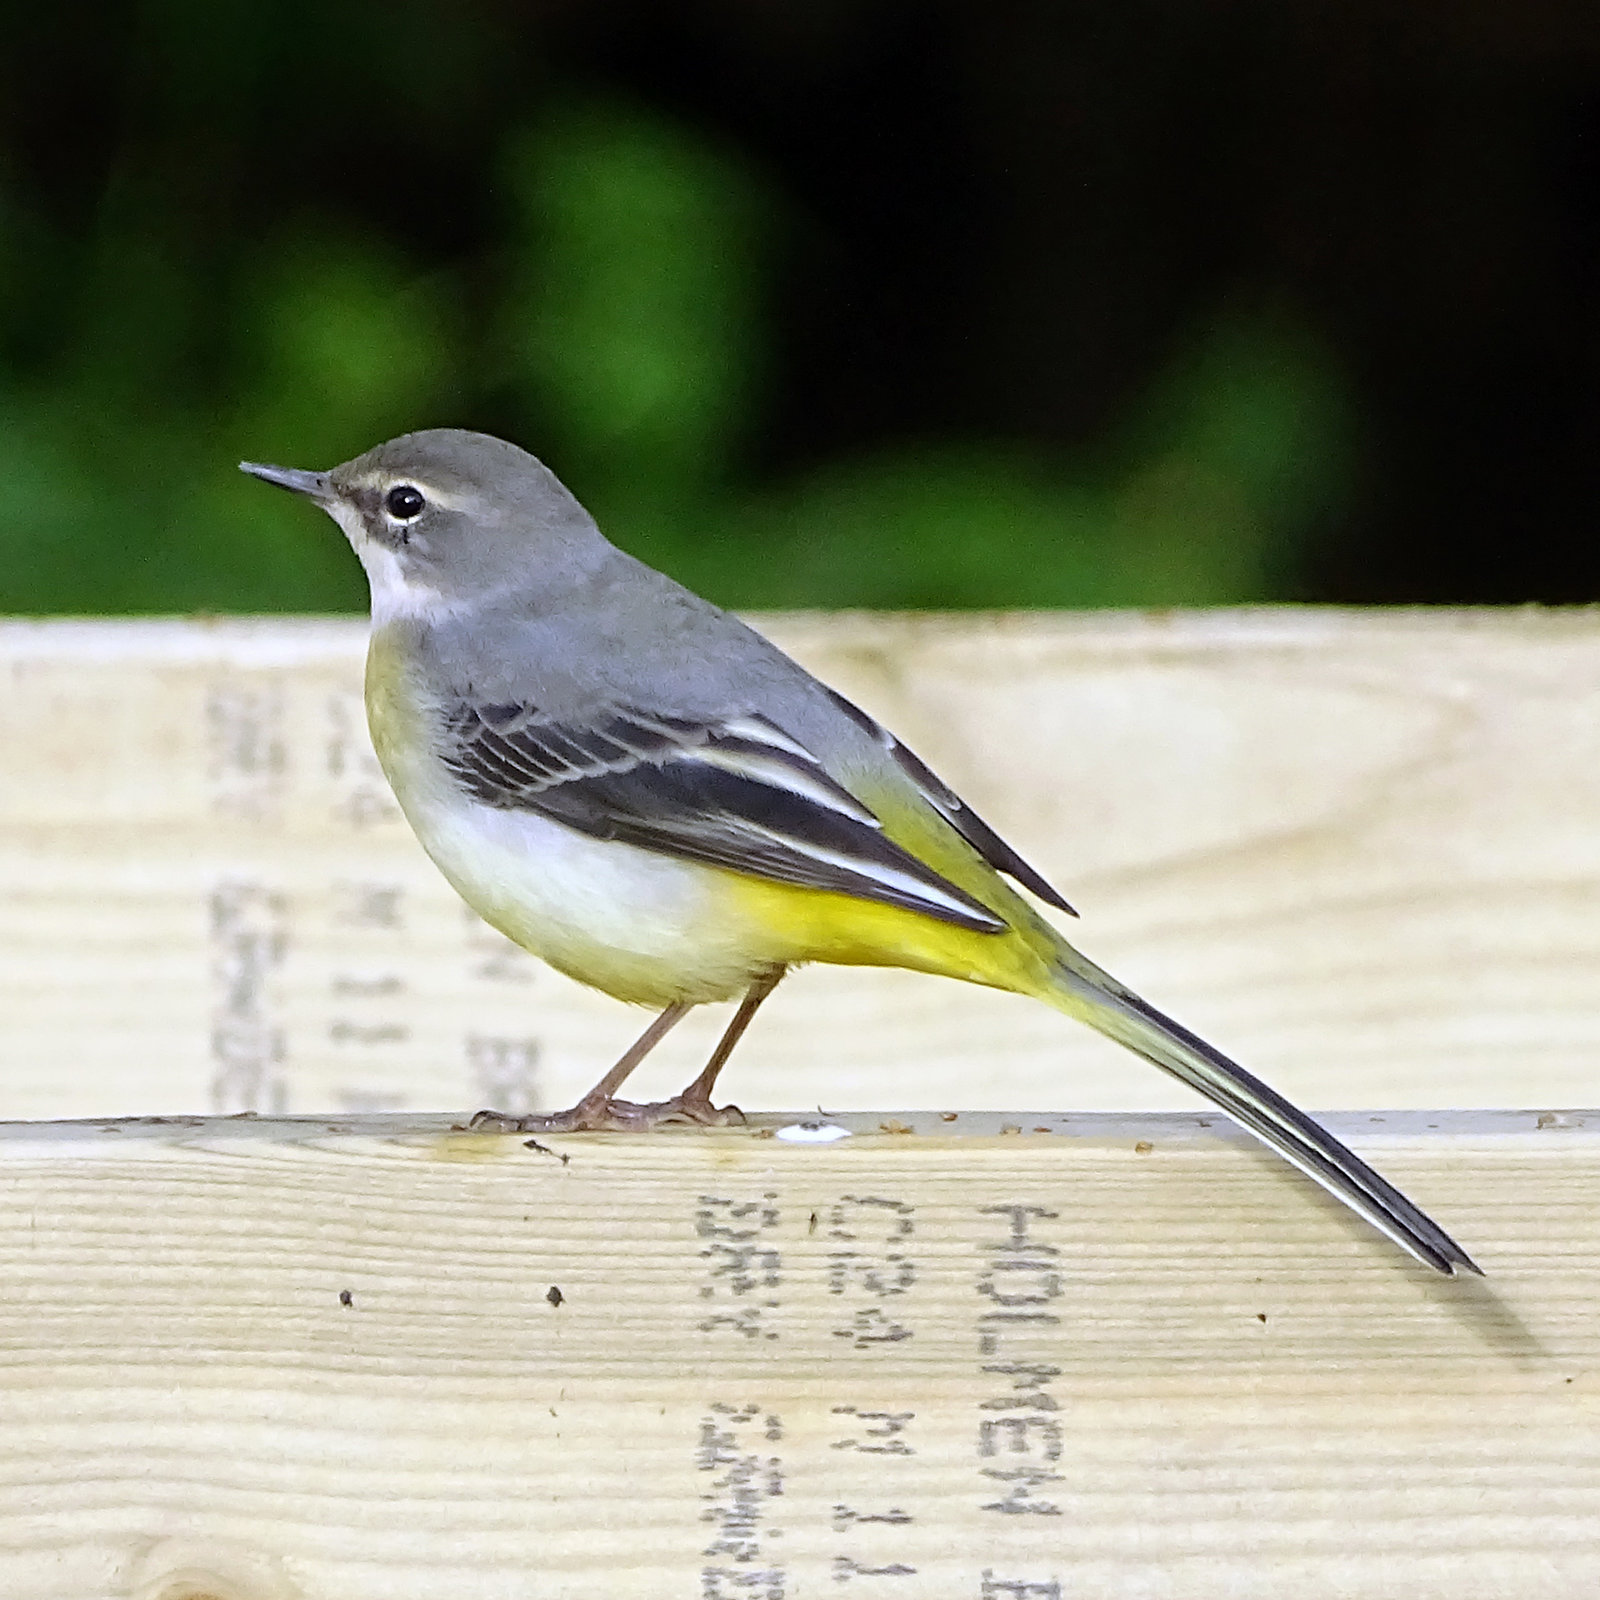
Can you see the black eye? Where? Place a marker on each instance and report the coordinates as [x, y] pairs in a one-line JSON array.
[[404, 502]]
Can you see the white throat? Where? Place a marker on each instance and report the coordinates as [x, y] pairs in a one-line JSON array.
[[395, 595]]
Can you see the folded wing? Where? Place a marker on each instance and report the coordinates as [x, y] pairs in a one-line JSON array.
[[954, 809], [736, 793]]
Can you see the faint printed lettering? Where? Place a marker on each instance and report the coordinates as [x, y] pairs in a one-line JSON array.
[[249, 935]]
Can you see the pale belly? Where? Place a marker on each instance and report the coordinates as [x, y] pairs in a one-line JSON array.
[[643, 927]]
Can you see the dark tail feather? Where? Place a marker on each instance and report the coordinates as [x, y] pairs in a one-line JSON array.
[[1101, 1001]]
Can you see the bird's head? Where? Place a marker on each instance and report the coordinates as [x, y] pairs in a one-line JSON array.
[[445, 516]]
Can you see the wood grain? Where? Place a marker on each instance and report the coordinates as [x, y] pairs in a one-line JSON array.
[[1358, 850], [378, 1360]]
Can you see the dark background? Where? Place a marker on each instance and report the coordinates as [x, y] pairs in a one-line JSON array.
[[845, 302]]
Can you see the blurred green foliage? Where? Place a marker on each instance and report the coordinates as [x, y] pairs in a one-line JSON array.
[[623, 327]]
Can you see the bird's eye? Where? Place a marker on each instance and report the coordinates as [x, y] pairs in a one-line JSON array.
[[403, 502]]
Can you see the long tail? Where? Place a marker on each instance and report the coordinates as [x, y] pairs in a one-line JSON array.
[[1098, 999]]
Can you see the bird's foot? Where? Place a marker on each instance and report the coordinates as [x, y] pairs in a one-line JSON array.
[[694, 1108], [596, 1114]]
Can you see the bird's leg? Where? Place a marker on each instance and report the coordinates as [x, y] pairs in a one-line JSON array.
[[598, 1111], [694, 1104]]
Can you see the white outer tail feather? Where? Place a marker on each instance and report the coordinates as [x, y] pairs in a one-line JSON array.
[[1117, 1012]]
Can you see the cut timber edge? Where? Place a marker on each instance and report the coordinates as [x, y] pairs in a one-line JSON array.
[[288, 1359]]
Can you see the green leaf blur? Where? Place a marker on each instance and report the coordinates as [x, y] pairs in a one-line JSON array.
[[622, 329]]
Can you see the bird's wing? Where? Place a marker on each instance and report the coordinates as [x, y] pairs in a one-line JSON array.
[[735, 792], [954, 809]]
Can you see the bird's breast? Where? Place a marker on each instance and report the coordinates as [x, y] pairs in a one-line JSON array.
[[642, 926]]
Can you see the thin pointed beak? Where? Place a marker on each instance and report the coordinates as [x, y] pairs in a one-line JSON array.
[[313, 485]]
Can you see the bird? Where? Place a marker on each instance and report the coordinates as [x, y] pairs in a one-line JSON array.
[[651, 797]]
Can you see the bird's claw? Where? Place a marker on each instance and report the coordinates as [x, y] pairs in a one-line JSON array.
[[593, 1115]]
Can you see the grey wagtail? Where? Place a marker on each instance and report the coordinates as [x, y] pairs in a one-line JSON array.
[[646, 794]]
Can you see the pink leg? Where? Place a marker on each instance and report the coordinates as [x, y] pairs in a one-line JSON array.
[[599, 1110], [694, 1104]]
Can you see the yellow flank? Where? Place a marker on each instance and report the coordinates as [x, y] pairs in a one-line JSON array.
[[816, 925], [848, 931]]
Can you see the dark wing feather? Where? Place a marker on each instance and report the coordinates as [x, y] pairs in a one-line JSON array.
[[955, 810], [739, 793]]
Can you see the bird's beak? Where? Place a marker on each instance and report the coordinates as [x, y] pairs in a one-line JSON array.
[[313, 485]]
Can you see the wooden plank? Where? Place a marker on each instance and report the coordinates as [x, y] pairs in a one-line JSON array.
[[1357, 849], [1127, 1357]]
